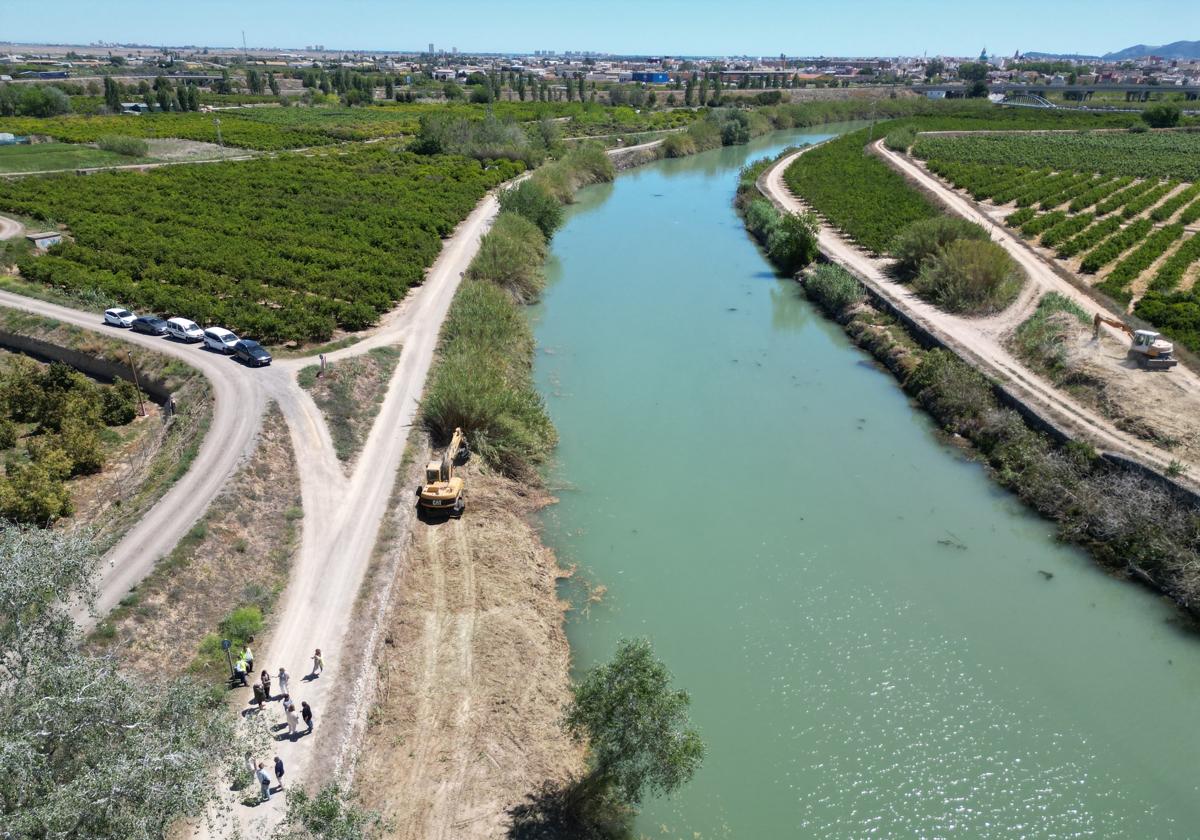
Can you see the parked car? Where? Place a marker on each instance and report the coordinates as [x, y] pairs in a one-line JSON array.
[[181, 329], [118, 317], [150, 325], [252, 353], [220, 339]]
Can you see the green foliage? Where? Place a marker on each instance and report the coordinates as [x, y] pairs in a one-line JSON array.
[[970, 276], [119, 403], [532, 200], [834, 288], [790, 239], [284, 248], [1175, 313], [486, 139], [76, 730], [857, 192], [1041, 340], [1154, 155], [327, 815], [1162, 115], [241, 625], [925, 237], [1132, 265], [640, 739], [1088, 238], [1171, 272], [32, 101], [511, 256], [1114, 246], [483, 382], [901, 139], [121, 145]]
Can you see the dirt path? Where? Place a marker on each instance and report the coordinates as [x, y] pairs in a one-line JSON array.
[[239, 399], [980, 340], [10, 228]]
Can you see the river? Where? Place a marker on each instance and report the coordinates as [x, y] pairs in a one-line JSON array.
[[877, 640]]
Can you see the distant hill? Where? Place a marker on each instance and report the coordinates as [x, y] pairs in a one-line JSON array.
[[1179, 49], [1045, 56]]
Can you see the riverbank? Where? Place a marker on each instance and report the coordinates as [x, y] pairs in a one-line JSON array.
[[1131, 518]]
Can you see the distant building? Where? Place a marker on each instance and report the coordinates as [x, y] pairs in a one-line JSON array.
[[651, 77]]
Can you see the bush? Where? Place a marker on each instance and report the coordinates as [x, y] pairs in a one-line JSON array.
[[1040, 341], [533, 201], [924, 238], [901, 139], [1162, 115], [129, 146], [833, 288], [792, 241], [119, 403], [970, 276], [8, 433], [241, 625], [511, 256], [679, 144]]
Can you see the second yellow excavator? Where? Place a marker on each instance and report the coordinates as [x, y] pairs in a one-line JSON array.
[[1147, 347], [443, 490]]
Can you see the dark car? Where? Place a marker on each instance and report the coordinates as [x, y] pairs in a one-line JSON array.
[[252, 353], [149, 325]]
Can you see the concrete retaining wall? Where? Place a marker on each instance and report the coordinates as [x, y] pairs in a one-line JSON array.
[[101, 369]]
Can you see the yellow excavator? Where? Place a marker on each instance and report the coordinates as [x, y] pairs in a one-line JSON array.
[[443, 490], [1149, 348]]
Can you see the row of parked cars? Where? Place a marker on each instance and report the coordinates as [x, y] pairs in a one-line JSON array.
[[217, 339]]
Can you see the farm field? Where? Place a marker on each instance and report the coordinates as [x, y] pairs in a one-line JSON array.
[[1153, 154], [289, 248], [1132, 238], [44, 156]]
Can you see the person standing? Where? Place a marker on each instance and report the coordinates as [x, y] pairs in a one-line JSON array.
[[248, 656], [284, 679], [279, 771], [264, 782], [266, 683], [259, 697], [287, 702], [239, 672], [318, 663], [293, 722], [306, 713]]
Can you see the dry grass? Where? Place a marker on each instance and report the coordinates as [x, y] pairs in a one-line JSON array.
[[239, 553], [349, 394], [473, 674]]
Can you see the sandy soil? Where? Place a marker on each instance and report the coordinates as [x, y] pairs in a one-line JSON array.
[[471, 676], [983, 341]]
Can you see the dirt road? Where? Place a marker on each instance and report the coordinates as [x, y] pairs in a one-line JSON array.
[[239, 399], [980, 339], [10, 228]]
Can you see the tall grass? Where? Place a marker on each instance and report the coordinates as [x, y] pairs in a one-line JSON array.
[[833, 288], [484, 384], [1041, 340], [511, 256], [924, 238], [971, 277]]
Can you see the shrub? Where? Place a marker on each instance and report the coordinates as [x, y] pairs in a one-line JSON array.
[[792, 241], [129, 146], [970, 276], [533, 201], [679, 144], [833, 288], [511, 256], [1041, 339], [924, 238], [901, 139], [1162, 115], [8, 433], [242, 624], [119, 403]]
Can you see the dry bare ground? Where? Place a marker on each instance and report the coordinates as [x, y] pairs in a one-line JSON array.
[[238, 553], [471, 687]]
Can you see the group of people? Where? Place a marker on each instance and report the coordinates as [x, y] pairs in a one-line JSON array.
[[293, 716]]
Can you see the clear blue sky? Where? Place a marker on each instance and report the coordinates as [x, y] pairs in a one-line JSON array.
[[669, 27]]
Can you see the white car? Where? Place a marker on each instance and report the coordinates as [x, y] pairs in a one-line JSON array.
[[220, 339], [181, 329], [118, 317]]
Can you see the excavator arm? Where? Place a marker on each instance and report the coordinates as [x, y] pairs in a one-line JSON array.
[[1112, 322]]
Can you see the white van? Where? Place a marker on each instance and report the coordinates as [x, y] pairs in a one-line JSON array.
[[181, 329], [220, 339]]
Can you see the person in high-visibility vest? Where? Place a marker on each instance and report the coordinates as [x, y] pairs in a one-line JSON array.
[[239, 671]]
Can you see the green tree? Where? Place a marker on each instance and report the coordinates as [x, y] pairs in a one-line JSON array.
[[326, 816], [582, 86], [112, 95], [639, 736], [792, 241], [119, 403], [935, 67], [181, 97], [254, 81], [165, 98], [389, 88], [273, 84], [1162, 115], [90, 751], [531, 200]]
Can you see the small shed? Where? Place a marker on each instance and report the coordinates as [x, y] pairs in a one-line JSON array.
[[43, 241]]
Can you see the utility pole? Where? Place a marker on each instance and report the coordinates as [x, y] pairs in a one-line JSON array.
[[136, 384]]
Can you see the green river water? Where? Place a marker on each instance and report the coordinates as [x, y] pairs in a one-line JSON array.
[[857, 611]]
